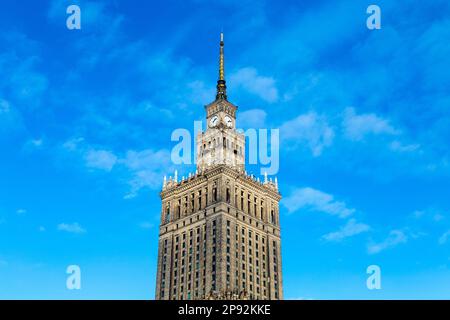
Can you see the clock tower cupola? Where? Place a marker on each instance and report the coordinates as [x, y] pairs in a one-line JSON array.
[[221, 143]]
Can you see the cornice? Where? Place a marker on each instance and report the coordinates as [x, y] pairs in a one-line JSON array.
[[210, 173]]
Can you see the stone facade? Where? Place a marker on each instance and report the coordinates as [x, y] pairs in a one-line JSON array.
[[220, 232]]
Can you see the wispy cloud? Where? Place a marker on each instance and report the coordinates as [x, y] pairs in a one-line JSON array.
[[71, 228], [253, 118], [146, 225], [394, 238], [400, 147], [357, 127], [309, 128], [34, 144], [4, 107], [146, 168], [100, 159], [315, 200], [21, 211], [444, 238], [261, 86], [140, 169], [10, 119], [351, 228]]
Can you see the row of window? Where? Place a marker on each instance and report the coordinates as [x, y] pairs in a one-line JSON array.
[[189, 249], [195, 200]]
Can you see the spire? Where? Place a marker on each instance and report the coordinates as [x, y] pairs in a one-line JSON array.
[[221, 87]]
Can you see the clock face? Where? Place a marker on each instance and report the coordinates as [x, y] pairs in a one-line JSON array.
[[213, 121], [228, 122]]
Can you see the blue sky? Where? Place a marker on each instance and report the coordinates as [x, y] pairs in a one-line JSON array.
[[86, 117]]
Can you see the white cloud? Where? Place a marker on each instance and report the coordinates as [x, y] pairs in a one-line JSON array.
[[444, 238], [71, 228], [73, 144], [350, 229], [100, 159], [357, 127], [42, 229], [249, 79], [146, 159], [394, 238], [429, 214], [418, 214], [10, 118], [200, 92], [315, 200], [146, 225], [308, 128], [4, 107], [254, 118], [399, 147], [141, 169], [146, 168], [33, 144], [146, 109], [21, 211], [36, 142]]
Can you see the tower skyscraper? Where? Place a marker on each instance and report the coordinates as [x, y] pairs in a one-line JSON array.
[[220, 233]]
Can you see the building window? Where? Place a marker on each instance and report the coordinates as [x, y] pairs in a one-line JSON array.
[[167, 219]]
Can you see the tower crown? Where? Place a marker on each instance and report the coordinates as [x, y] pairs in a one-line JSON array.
[[221, 143]]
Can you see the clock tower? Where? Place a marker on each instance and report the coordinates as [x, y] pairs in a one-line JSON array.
[[219, 236], [220, 143]]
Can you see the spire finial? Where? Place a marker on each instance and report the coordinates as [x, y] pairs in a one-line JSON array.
[[221, 87]]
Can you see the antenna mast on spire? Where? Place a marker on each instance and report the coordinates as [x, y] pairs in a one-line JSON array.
[[221, 86]]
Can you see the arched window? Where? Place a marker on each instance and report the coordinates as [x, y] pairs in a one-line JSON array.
[[272, 217]]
